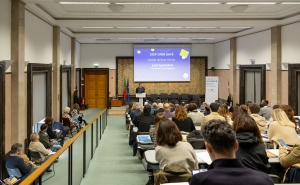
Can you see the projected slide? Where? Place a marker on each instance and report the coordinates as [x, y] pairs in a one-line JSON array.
[[161, 64]]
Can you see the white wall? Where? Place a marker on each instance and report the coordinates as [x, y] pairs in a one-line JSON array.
[[105, 54], [77, 61], [5, 21], [38, 40], [65, 48], [222, 55], [256, 46], [290, 43]]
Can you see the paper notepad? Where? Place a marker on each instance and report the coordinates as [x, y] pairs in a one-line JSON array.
[[274, 151], [205, 157]]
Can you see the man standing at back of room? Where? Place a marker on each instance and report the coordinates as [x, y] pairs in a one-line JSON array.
[[225, 169], [213, 114]]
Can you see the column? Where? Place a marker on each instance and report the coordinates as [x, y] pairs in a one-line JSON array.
[[275, 65], [233, 80], [73, 68], [18, 93], [56, 73]]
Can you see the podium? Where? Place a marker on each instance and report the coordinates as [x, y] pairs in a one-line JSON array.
[[141, 97]]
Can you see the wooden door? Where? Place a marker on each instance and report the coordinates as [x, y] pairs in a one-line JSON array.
[[96, 88]]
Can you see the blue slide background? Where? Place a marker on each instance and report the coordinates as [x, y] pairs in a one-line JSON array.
[[161, 64]]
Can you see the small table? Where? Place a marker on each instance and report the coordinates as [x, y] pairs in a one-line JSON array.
[[116, 103]]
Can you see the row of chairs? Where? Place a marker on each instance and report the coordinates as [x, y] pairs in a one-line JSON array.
[[175, 98]]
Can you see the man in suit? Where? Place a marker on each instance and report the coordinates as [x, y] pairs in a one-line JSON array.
[[159, 109], [213, 114], [140, 89], [225, 169], [144, 120], [44, 139], [265, 111]]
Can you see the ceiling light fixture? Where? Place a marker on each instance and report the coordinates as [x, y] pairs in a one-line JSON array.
[[129, 38], [140, 3], [132, 27], [97, 27], [166, 27], [259, 3], [200, 27], [203, 38], [290, 3], [195, 3], [239, 8], [234, 27], [115, 7], [84, 3]]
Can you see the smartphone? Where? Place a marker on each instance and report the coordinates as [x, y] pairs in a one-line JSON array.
[[282, 143], [194, 172]]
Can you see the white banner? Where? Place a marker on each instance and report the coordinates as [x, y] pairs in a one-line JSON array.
[[211, 89]]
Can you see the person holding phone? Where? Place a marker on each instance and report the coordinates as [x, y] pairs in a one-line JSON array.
[[288, 156]]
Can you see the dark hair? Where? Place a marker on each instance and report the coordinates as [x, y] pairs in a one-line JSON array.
[[158, 101], [235, 112], [275, 106], [207, 109], [130, 105], [15, 147], [214, 107], [220, 135], [216, 101], [191, 107], [264, 103], [48, 120], [147, 109], [140, 83], [159, 116], [244, 108], [168, 133], [75, 94], [43, 126], [254, 108], [289, 112], [245, 123]]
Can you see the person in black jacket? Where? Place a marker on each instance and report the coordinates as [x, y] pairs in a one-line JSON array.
[[144, 120], [77, 99], [251, 150], [183, 122], [53, 134]]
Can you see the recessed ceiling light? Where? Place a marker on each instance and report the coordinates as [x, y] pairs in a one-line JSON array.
[[166, 27], [97, 27], [203, 38], [290, 3], [129, 38], [195, 3], [139, 3], [132, 27], [235, 27], [84, 3], [251, 3], [200, 27]]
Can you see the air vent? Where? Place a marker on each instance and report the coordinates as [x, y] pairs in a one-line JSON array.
[[151, 40], [103, 40]]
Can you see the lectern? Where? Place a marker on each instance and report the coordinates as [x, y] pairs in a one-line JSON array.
[[141, 96]]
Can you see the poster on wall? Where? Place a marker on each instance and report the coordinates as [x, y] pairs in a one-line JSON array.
[[211, 89]]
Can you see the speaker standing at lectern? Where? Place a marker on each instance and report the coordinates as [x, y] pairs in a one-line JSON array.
[[140, 89]]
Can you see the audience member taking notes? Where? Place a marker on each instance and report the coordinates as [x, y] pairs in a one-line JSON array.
[[221, 144]]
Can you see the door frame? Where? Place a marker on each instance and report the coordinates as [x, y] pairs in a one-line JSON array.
[[107, 81], [68, 69], [78, 88], [245, 68], [293, 70], [2, 120]]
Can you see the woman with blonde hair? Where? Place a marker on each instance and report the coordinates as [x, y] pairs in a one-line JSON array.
[[223, 111], [282, 128], [183, 122]]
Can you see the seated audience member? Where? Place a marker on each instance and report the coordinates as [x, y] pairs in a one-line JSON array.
[[36, 146], [15, 162], [265, 111], [76, 116], [171, 150], [172, 107], [130, 107], [154, 108], [76, 98], [223, 111], [159, 108], [193, 113], [276, 106], [66, 114], [183, 122], [289, 112], [236, 111], [54, 134], [136, 112], [244, 109], [282, 128], [206, 111], [217, 102], [251, 149], [202, 106], [144, 120], [225, 169], [158, 101], [44, 139], [214, 107], [253, 110], [290, 156], [167, 111], [248, 102]]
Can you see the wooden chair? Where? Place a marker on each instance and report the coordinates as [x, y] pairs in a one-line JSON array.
[[67, 123]]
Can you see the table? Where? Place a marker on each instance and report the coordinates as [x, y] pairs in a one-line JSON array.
[[116, 103]]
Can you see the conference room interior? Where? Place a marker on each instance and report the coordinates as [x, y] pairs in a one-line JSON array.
[[49, 48]]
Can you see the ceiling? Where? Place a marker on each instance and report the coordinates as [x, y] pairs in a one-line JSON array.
[[165, 22]]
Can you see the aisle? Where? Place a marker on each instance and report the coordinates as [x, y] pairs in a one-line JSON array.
[[113, 163]]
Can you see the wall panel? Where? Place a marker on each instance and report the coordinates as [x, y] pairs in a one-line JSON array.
[[65, 49], [5, 23]]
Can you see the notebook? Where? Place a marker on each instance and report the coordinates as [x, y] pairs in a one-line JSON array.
[[144, 139]]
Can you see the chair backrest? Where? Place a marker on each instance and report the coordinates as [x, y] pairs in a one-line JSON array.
[[275, 178], [153, 96], [196, 97], [174, 96], [14, 172], [185, 96], [163, 96], [66, 122]]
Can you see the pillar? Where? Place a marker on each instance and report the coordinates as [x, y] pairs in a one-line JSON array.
[[18, 93], [275, 65], [73, 68], [233, 80], [56, 73]]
